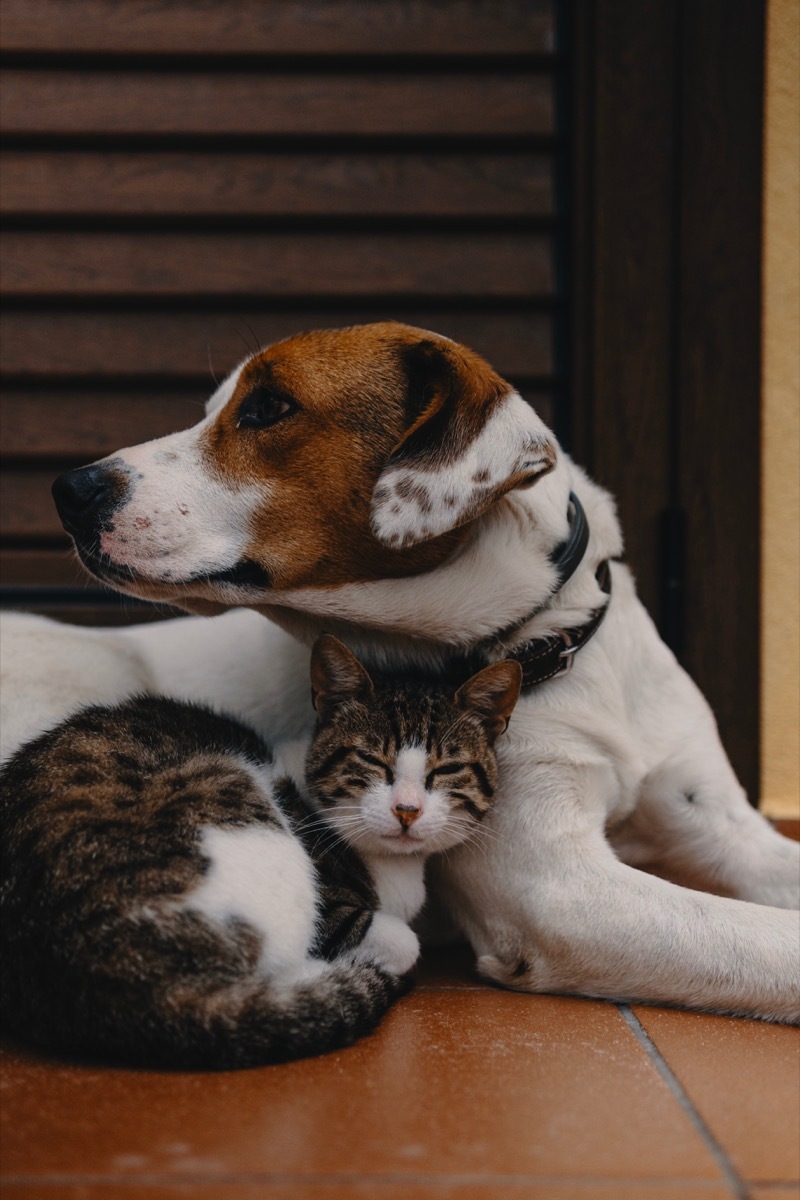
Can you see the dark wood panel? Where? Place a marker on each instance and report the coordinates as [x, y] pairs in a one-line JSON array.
[[112, 610], [245, 102], [43, 568], [719, 314], [667, 332], [83, 426], [88, 425], [516, 27], [38, 344], [286, 264], [423, 184], [27, 506], [623, 268]]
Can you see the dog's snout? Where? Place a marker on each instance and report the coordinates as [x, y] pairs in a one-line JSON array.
[[85, 496]]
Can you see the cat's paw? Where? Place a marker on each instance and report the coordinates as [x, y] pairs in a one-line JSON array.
[[389, 943]]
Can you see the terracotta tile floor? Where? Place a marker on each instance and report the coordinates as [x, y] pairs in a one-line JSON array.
[[465, 1092]]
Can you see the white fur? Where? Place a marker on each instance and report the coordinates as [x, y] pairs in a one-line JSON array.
[[169, 530], [512, 440], [48, 671], [400, 884], [596, 768], [250, 872], [390, 943]]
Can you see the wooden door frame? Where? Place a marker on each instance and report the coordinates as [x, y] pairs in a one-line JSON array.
[[664, 184]]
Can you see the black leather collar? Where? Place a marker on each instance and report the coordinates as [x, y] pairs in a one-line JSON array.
[[567, 557], [546, 658]]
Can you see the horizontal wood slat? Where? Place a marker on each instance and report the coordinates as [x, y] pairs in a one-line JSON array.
[[82, 426], [245, 102], [164, 264], [89, 425], [328, 27], [87, 604], [38, 344], [43, 568], [203, 184]]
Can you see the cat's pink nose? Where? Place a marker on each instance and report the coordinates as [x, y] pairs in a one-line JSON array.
[[406, 802], [406, 813]]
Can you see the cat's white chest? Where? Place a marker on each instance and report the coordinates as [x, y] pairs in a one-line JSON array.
[[400, 884]]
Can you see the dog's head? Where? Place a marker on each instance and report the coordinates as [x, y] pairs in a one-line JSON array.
[[333, 457]]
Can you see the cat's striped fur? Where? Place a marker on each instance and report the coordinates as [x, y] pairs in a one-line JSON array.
[[167, 897]]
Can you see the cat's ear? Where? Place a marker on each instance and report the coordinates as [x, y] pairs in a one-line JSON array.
[[491, 695], [470, 439], [336, 676]]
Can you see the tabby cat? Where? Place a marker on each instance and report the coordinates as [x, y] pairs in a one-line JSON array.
[[169, 897], [401, 770]]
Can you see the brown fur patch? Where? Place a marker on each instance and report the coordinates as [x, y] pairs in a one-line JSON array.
[[319, 466]]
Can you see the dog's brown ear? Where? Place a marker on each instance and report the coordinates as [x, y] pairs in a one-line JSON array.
[[336, 676], [492, 694], [470, 439]]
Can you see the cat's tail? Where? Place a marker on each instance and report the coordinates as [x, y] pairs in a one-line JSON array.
[[255, 1022]]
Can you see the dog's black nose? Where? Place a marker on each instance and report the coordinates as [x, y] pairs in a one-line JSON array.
[[86, 495]]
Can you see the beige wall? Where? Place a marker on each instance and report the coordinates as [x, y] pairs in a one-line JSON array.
[[780, 639]]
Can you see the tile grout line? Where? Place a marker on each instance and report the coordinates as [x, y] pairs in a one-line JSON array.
[[731, 1176], [376, 1179]]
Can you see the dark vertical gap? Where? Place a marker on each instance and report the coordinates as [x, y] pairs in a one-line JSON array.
[[575, 199], [562, 182], [673, 523]]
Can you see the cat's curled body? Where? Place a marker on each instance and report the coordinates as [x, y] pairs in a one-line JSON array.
[[168, 897], [158, 905]]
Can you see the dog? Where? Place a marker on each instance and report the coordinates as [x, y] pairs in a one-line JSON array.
[[384, 484]]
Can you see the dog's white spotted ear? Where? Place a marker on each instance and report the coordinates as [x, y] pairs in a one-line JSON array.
[[471, 438]]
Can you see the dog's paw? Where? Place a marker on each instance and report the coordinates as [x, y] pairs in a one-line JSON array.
[[389, 943], [491, 967], [523, 974]]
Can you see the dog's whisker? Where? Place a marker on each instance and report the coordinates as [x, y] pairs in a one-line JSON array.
[[211, 365]]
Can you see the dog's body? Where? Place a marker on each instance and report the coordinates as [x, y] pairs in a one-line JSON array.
[[375, 482]]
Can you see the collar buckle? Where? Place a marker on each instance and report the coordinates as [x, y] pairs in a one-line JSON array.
[[567, 655]]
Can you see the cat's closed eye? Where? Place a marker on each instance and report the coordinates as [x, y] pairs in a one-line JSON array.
[[452, 768]]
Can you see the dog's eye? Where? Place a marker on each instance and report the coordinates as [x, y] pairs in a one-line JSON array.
[[262, 408]]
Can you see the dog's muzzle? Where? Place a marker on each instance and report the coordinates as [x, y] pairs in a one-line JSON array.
[[87, 498]]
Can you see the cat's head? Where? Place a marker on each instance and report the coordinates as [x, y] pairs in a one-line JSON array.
[[401, 767]]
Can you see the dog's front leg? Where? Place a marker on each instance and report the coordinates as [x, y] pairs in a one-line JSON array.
[[548, 907]]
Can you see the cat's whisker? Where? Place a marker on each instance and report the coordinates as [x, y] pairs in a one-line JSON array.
[[325, 841], [310, 823]]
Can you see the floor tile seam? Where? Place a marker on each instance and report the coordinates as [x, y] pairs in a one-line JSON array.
[[729, 1172], [452, 987], [377, 1179], [773, 1183], [779, 1185]]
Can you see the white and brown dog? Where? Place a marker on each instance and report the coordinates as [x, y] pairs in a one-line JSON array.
[[376, 482]]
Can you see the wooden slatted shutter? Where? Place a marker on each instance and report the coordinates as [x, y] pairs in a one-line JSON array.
[[185, 181]]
